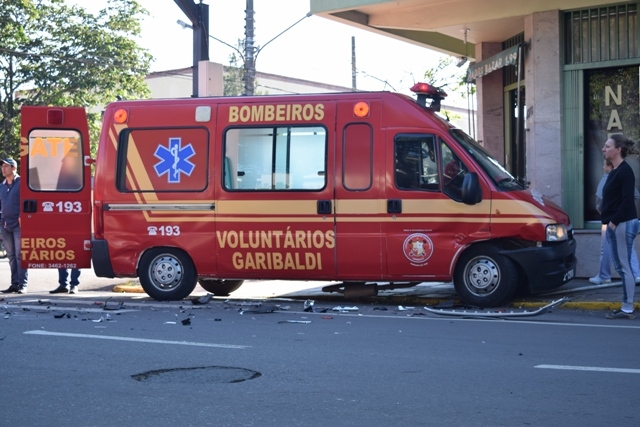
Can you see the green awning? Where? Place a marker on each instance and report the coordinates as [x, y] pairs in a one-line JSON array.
[[482, 68]]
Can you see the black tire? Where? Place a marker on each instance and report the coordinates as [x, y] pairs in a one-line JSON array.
[[219, 287], [484, 278], [167, 274]]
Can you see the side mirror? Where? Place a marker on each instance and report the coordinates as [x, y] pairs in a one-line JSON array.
[[471, 191]]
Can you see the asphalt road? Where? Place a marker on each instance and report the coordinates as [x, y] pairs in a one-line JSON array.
[[70, 363]]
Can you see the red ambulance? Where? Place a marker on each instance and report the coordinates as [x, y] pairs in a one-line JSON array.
[[372, 190]]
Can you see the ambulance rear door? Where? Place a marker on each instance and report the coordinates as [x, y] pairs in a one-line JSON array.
[[55, 189]]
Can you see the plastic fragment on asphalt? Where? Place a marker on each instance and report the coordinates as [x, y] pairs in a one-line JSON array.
[[343, 309], [202, 300], [61, 315], [243, 304], [169, 323], [117, 305], [308, 305], [295, 321], [326, 317], [186, 322], [101, 319], [262, 310], [401, 308]]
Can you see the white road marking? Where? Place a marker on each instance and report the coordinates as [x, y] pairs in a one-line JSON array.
[[589, 368], [144, 340]]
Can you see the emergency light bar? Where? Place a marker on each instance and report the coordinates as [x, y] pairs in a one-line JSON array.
[[424, 91]]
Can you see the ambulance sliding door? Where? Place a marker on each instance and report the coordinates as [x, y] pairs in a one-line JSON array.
[[55, 188], [274, 213]]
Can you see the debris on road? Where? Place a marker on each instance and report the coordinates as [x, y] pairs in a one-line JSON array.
[[295, 321], [344, 309], [117, 305], [499, 314], [202, 300]]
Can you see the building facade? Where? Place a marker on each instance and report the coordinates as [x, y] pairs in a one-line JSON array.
[[553, 79]]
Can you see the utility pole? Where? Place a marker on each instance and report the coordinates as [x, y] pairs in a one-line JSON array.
[[249, 51], [353, 63], [198, 14]]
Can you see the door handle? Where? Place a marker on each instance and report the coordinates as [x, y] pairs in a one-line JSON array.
[[394, 206], [324, 207], [29, 206]]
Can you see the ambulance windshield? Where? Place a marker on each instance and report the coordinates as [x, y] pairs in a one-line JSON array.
[[499, 175]]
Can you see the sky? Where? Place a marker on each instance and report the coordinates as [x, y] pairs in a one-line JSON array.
[[315, 49]]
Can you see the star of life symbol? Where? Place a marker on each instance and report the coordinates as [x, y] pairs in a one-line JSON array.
[[174, 160]]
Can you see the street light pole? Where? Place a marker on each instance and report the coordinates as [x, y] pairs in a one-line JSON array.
[[198, 14], [249, 50]]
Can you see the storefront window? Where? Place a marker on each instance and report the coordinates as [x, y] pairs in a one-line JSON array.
[[613, 105]]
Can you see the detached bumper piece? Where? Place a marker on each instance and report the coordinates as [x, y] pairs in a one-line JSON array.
[[477, 314]]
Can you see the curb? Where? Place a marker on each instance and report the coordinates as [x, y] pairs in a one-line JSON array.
[[128, 289]]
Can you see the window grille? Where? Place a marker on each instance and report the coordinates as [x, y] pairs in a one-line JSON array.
[[601, 34]]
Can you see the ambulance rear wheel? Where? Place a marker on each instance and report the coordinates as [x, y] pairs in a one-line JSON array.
[[485, 278], [167, 274], [220, 287]]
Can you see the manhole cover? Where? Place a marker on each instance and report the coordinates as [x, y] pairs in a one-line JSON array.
[[198, 375]]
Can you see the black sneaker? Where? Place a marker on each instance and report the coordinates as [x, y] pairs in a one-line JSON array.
[[619, 314], [11, 290], [59, 290]]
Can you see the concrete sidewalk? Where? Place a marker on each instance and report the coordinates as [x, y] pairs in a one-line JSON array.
[[582, 294]]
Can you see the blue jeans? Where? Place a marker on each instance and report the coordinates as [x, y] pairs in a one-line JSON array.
[[606, 261], [621, 243], [63, 274], [11, 239]]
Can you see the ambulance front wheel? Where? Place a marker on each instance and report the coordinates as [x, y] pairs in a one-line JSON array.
[[219, 287], [167, 274], [485, 278]]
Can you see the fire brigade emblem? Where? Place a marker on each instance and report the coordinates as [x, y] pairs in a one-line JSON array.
[[418, 248], [174, 160]]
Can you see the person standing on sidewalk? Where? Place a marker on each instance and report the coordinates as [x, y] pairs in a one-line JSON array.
[[604, 275], [620, 216], [10, 225], [63, 274]]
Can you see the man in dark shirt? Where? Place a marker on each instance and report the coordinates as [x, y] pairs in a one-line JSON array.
[[10, 225]]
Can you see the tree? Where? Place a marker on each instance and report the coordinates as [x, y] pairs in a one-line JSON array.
[[55, 54], [233, 77], [452, 79], [446, 75]]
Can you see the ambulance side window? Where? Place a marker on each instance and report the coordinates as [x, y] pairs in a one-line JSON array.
[[453, 172], [55, 160], [416, 167], [275, 158]]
